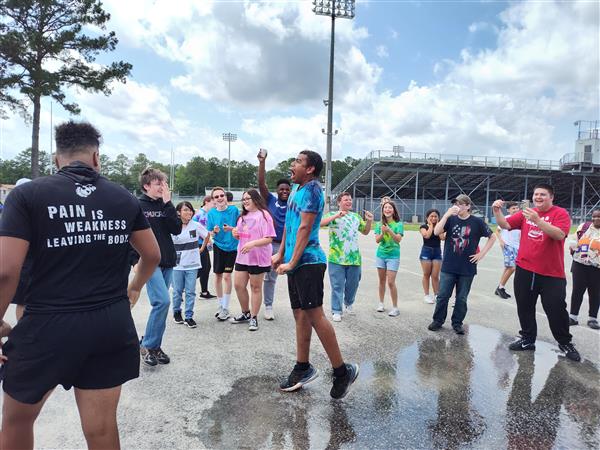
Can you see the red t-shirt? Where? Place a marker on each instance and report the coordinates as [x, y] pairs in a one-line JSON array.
[[539, 253]]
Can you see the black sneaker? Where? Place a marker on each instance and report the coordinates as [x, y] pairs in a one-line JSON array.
[[191, 323], [570, 351], [501, 292], [297, 379], [148, 357], [253, 324], [242, 318], [458, 329], [341, 385], [207, 295], [161, 356], [434, 326], [573, 322], [593, 324], [522, 345], [177, 317]]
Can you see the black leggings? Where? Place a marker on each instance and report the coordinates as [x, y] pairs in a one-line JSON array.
[[585, 278], [528, 286], [204, 270]]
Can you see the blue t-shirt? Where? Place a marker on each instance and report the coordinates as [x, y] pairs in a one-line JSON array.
[[223, 239], [278, 209], [304, 199], [462, 240], [202, 218]]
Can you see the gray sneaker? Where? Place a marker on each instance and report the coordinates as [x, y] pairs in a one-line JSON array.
[[223, 315], [218, 313], [253, 324]]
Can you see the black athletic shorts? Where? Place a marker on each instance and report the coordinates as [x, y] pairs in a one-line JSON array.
[[96, 349], [305, 286], [223, 262], [252, 270]]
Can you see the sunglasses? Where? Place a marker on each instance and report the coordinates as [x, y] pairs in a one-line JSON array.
[[246, 199], [219, 196]]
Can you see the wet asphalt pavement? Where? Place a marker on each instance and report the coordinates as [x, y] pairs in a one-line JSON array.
[[416, 389]]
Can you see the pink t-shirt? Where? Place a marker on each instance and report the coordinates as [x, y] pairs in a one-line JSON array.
[[255, 225]]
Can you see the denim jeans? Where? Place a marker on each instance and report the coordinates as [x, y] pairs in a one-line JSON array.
[[270, 280], [184, 280], [158, 294], [448, 281], [344, 284]]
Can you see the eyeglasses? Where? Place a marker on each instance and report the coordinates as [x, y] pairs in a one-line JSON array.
[[246, 199], [219, 196]]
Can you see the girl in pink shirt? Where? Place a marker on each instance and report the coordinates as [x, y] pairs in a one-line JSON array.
[[255, 231]]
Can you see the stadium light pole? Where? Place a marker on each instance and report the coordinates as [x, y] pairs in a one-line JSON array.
[[335, 9], [229, 137]]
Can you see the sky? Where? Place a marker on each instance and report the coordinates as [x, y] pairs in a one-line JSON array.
[[457, 77]]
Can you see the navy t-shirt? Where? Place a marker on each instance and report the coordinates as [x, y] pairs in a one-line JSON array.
[[277, 208], [78, 226], [462, 240]]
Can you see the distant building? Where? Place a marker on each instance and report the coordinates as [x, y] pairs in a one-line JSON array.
[[5, 190]]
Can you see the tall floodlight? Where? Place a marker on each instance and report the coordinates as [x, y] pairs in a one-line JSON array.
[[343, 9], [229, 137]]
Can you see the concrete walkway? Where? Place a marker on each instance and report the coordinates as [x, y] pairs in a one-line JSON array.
[[416, 389]]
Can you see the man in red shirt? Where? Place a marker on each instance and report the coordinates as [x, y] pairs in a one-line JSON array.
[[540, 268]]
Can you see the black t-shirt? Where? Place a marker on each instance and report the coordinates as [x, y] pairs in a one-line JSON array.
[[78, 226], [433, 241], [462, 240]]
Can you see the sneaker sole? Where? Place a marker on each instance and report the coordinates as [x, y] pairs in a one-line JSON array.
[[351, 383], [299, 385], [252, 329], [529, 348], [190, 326], [178, 323], [269, 318]]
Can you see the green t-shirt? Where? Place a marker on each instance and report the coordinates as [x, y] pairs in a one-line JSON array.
[[388, 248], [343, 239]]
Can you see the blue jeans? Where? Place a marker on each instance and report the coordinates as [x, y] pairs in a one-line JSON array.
[[270, 280], [448, 281], [158, 294], [184, 280], [344, 284]]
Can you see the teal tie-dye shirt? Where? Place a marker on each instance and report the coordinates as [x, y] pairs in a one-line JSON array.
[[304, 199], [343, 239]]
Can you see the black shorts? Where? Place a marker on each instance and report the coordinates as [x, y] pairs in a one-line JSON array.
[[223, 262], [252, 270], [97, 349], [305, 286]]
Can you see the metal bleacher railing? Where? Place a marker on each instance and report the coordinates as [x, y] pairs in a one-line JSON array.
[[441, 159]]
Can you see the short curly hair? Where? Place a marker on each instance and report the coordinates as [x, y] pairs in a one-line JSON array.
[[76, 137]]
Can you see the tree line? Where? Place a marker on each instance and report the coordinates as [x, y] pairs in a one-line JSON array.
[[190, 179]]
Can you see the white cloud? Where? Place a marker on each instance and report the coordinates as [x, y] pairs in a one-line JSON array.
[[382, 51]]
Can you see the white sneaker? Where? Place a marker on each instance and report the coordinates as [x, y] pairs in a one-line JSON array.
[[223, 315], [349, 310], [380, 308], [429, 299], [269, 313], [394, 312], [337, 318]]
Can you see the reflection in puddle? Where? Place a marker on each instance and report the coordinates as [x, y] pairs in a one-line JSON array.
[[444, 391]]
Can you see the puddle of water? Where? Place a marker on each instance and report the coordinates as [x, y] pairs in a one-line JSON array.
[[443, 391]]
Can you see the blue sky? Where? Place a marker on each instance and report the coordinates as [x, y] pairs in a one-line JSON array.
[[484, 78]]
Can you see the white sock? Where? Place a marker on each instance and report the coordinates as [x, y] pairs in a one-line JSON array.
[[225, 301], [573, 316], [500, 286]]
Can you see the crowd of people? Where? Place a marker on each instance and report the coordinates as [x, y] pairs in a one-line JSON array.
[[77, 235]]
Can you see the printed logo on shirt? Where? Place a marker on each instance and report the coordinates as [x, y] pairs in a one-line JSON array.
[[193, 234], [534, 232], [84, 190], [460, 238]]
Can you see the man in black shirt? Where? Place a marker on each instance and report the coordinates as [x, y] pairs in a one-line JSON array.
[[461, 255], [77, 329], [160, 212]]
